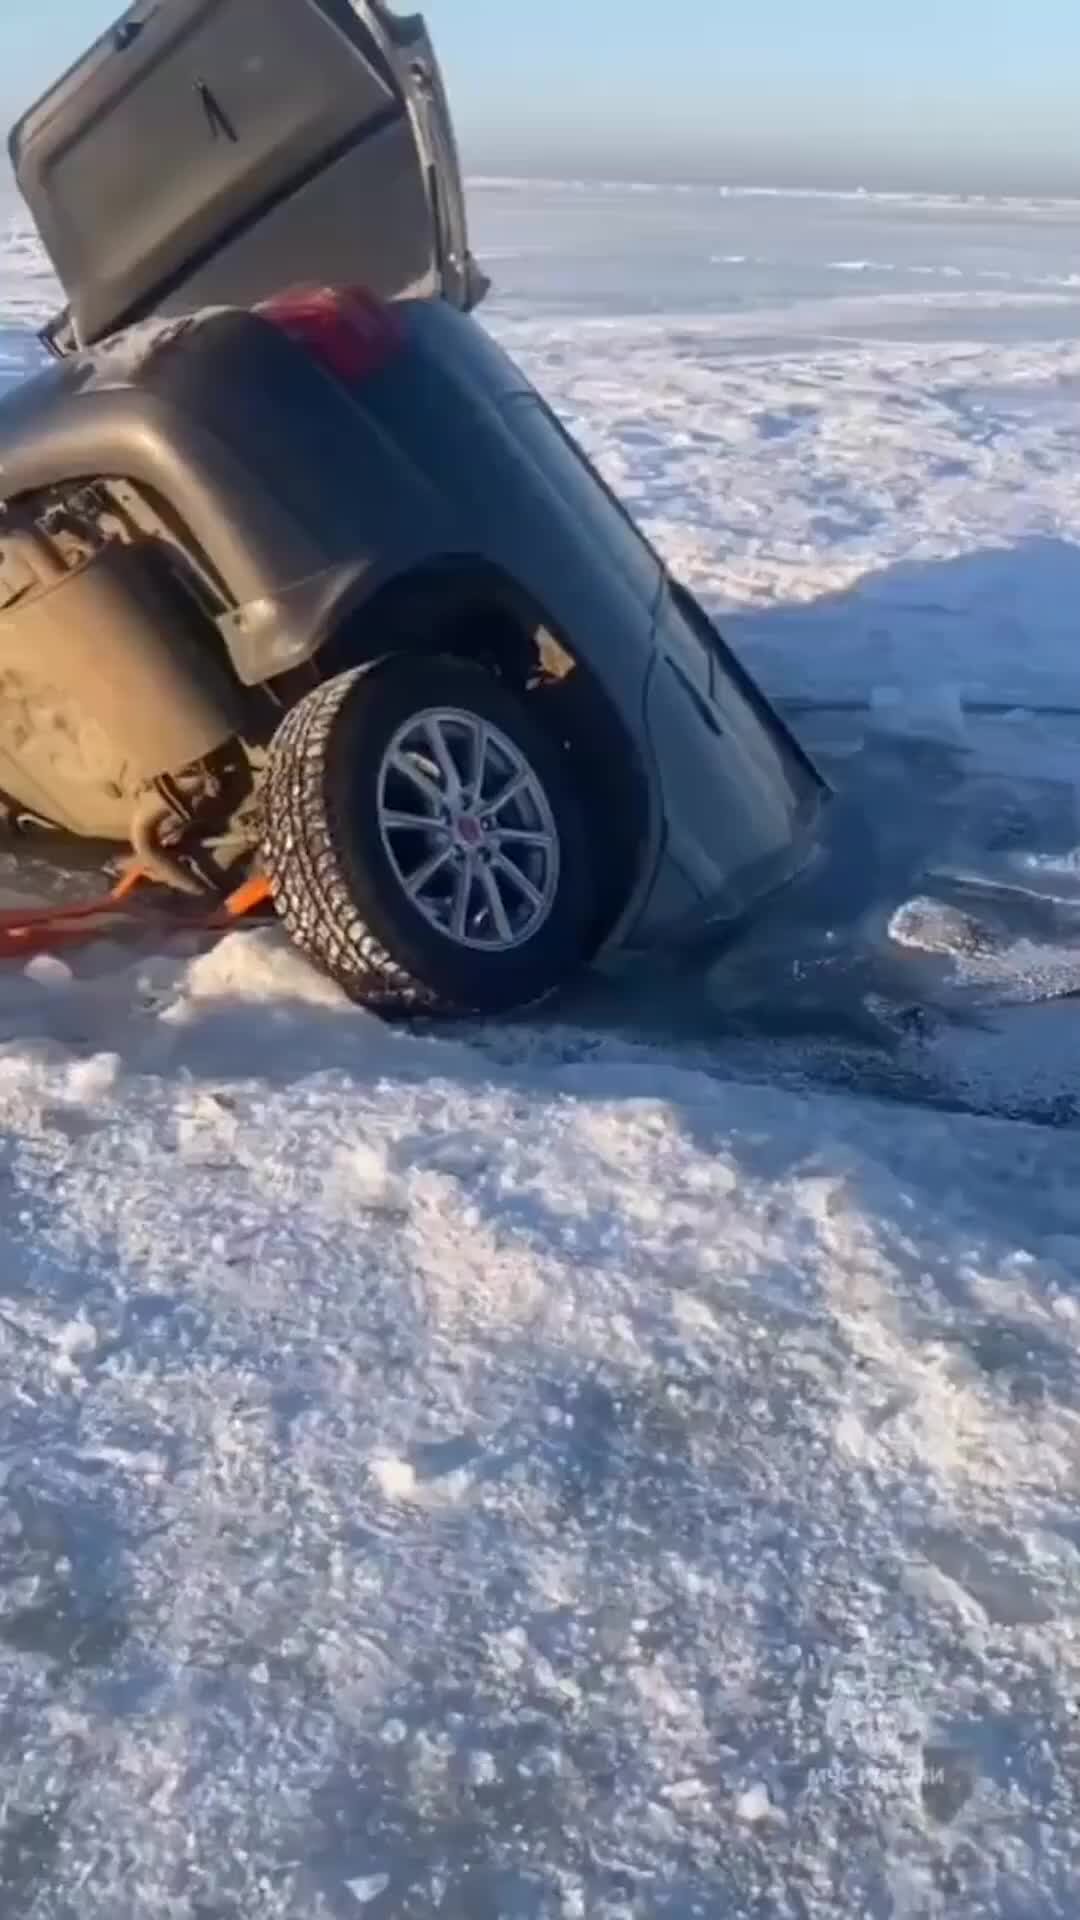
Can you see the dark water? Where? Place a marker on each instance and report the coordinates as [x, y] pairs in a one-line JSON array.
[[817, 990]]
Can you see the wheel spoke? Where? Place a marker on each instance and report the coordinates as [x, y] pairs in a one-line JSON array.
[[410, 822], [477, 762], [417, 881], [445, 759], [522, 837], [462, 894], [514, 786], [497, 904], [525, 886], [407, 767]]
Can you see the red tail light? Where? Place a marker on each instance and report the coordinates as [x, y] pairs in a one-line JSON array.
[[351, 331]]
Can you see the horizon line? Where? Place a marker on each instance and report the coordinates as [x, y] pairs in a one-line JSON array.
[[580, 181]]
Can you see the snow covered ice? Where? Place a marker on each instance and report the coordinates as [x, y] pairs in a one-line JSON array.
[[623, 1463]]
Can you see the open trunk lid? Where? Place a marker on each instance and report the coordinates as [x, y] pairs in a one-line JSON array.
[[211, 152]]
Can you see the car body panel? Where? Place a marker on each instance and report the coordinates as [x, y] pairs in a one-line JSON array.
[[309, 131], [734, 800], [258, 450], [739, 804], [309, 499]]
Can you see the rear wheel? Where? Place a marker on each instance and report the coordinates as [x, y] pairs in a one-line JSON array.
[[424, 842]]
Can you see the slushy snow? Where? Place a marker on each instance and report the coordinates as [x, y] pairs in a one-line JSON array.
[[643, 1484]]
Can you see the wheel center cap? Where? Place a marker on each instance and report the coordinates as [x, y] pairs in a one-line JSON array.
[[469, 830]]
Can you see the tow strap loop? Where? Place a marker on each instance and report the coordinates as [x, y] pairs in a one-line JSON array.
[[27, 931]]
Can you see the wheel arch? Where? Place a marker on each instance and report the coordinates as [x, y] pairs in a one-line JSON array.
[[469, 609]]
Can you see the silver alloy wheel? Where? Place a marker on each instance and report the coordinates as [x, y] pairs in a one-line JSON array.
[[468, 829]]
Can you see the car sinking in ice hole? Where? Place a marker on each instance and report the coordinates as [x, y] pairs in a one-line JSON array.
[[299, 572]]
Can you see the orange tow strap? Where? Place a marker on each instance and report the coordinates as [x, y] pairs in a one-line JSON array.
[[26, 931]]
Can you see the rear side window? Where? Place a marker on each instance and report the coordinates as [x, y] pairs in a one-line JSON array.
[[596, 508]]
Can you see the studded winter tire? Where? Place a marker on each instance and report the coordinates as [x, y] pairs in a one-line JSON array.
[[424, 842]]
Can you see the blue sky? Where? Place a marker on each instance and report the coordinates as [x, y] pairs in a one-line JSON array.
[[965, 93]]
